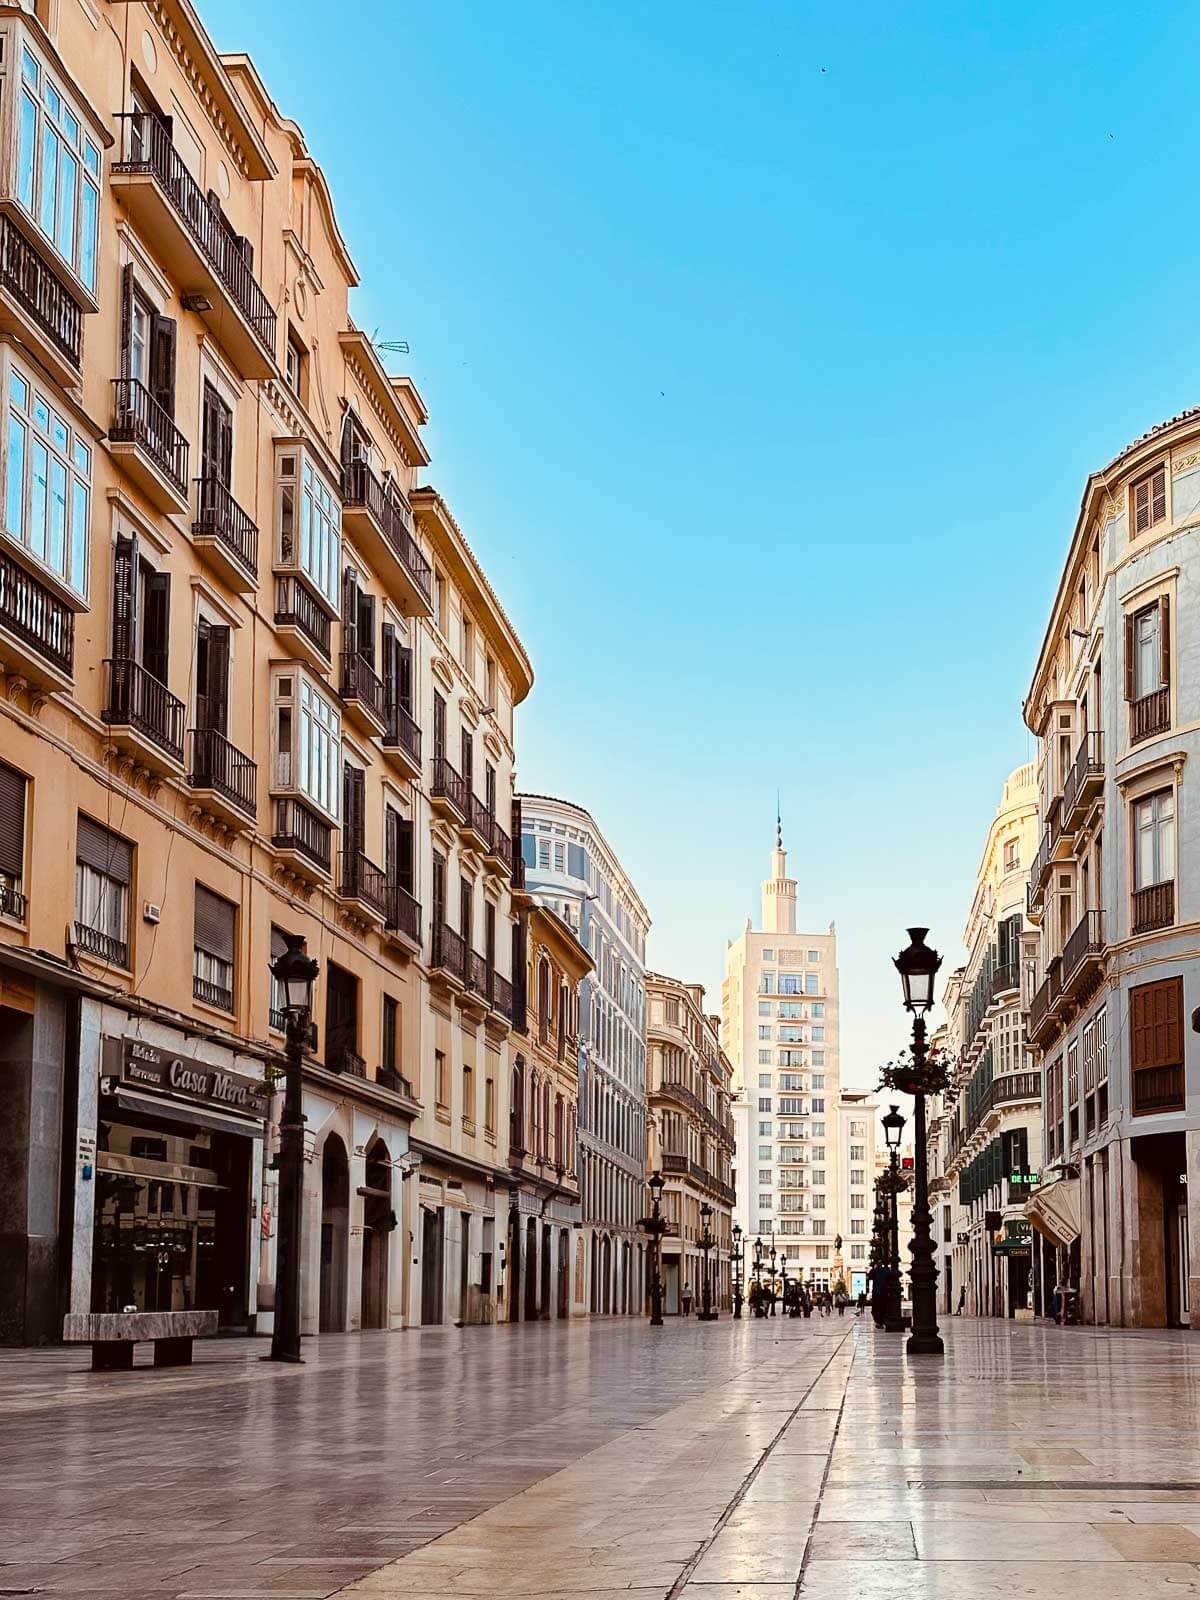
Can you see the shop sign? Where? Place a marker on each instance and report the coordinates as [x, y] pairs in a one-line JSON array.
[[1025, 1177], [147, 1066]]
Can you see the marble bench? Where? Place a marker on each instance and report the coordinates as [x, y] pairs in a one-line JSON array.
[[113, 1334]]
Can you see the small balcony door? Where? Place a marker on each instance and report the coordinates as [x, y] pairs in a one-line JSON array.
[[216, 438], [398, 850], [212, 677], [354, 800]]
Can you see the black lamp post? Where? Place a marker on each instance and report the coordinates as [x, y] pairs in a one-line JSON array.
[[736, 1266], [707, 1314], [893, 1127], [772, 1277], [918, 966], [295, 973], [759, 1309], [656, 1225]]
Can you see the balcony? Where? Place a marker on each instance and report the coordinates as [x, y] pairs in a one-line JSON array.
[[340, 1056], [499, 850], [1040, 871], [1042, 1021], [361, 691], [36, 308], [304, 839], [403, 919], [1083, 957], [449, 956], [379, 522], [223, 779], [13, 904], [477, 828], [500, 995], [1149, 715], [1158, 1089], [212, 994], [448, 792], [1085, 781], [302, 620], [101, 946], [225, 536], [145, 717], [194, 244], [149, 446], [401, 740], [37, 631], [388, 1078], [1152, 908], [364, 885]]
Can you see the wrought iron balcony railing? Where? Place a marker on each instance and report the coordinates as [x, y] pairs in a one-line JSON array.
[[219, 516], [220, 766], [136, 699], [36, 617], [139, 419]]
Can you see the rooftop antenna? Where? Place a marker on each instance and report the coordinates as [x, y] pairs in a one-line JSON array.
[[395, 347]]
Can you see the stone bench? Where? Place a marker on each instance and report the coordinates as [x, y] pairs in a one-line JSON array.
[[113, 1334]]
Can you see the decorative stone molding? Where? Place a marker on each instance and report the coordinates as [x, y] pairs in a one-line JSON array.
[[193, 72], [366, 387]]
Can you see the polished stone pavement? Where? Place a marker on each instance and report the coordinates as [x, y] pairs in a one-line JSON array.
[[731, 1461]]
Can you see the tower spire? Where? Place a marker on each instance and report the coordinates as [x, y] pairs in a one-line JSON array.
[[779, 891], [778, 823]]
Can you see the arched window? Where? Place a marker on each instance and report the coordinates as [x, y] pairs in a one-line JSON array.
[[543, 999], [516, 1110], [545, 1149], [535, 1116], [560, 1152], [572, 1162]]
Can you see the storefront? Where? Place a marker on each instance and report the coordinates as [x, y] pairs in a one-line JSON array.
[[173, 1167]]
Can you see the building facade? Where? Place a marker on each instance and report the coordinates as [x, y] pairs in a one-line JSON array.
[[1114, 974], [544, 1258], [989, 1122], [691, 1137], [571, 867], [780, 1029], [255, 683]]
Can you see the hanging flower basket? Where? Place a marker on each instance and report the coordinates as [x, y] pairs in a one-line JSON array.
[[906, 1076]]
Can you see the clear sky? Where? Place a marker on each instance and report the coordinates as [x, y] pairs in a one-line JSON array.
[[767, 348]]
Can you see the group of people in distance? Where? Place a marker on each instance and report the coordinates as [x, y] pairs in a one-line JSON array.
[[799, 1299]]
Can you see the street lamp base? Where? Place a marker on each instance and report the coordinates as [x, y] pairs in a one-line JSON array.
[[707, 1316], [284, 1355], [895, 1325], [656, 1322], [925, 1344]]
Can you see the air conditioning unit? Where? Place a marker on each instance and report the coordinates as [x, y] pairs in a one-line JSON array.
[[151, 912]]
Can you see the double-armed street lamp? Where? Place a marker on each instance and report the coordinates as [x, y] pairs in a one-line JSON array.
[[918, 967], [707, 1241], [655, 1225], [893, 1128], [736, 1271], [295, 973]]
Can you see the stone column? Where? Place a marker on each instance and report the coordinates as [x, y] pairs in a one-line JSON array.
[[1120, 1242], [310, 1245], [87, 1090], [1087, 1255], [355, 1242], [1147, 1246]]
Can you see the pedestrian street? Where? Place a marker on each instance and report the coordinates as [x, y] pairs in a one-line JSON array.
[[738, 1460]]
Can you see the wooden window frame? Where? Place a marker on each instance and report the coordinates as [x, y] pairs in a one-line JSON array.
[[1146, 481]]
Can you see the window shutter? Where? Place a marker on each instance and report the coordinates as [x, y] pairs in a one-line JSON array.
[[439, 726], [404, 677], [125, 565], [1164, 642], [389, 662], [218, 679], [214, 924], [157, 630], [162, 363], [349, 611], [1158, 495], [1130, 654], [12, 823], [1156, 1024], [105, 852], [126, 317], [1141, 507], [278, 944], [366, 628]]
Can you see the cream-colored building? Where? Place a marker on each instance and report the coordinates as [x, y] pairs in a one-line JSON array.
[[688, 1081], [1114, 972], [780, 1029], [988, 1124], [255, 683]]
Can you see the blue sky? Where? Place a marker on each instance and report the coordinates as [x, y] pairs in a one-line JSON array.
[[767, 348]]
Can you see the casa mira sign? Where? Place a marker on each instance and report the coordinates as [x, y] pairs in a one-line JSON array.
[[146, 1066]]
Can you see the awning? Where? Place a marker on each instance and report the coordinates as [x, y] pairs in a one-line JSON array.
[[195, 1115], [1054, 1211]]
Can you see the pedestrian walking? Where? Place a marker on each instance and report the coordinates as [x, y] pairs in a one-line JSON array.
[[862, 1302], [962, 1300], [841, 1305], [687, 1299]]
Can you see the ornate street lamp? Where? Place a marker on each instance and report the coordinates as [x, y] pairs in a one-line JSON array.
[[655, 1225], [759, 1309], [707, 1314], [918, 966], [295, 973], [772, 1277], [737, 1266], [893, 1128]]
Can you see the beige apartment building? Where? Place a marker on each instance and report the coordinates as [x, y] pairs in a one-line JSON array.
[[988, 1125], [780, 1029], [689, 1082], [1114, 971], [255, 682]]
